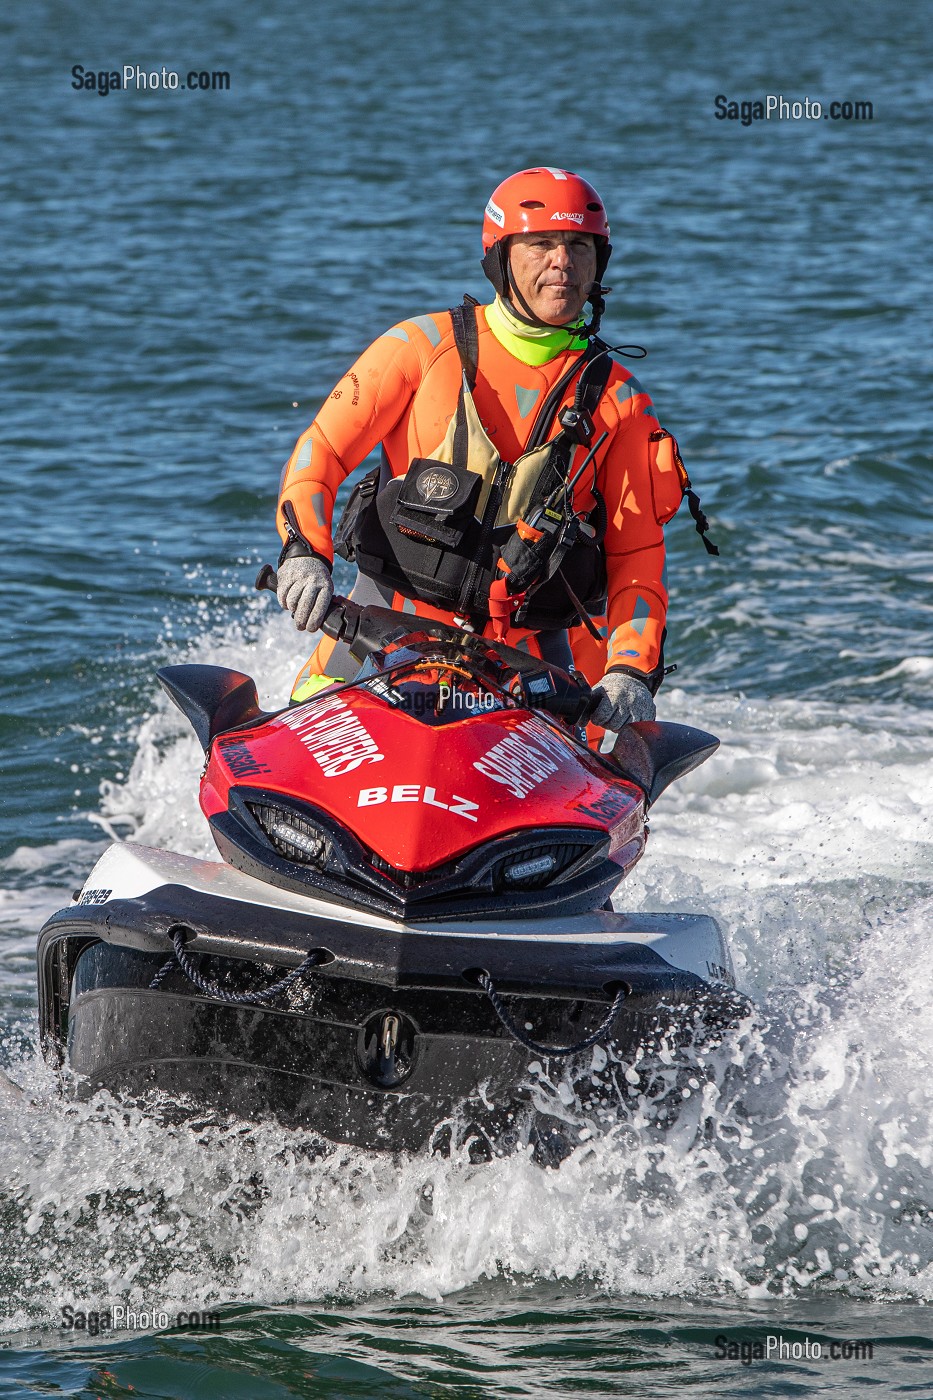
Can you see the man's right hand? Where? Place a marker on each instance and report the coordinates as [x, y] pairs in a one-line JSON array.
[[305, 588]]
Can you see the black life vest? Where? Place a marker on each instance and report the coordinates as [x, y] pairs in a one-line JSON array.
[[438, 532]]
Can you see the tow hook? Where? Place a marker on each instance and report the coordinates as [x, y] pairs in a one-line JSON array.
[[386, 1049], [388, 1039]]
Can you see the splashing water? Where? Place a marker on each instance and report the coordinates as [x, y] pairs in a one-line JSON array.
[[799, 1156]]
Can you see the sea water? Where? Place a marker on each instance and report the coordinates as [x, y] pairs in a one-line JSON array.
[[188, 273]]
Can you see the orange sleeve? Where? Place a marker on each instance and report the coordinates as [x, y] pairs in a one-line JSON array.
[[364, 406], [637, 505]]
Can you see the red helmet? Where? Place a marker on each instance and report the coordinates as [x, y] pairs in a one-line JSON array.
[[543, 200], [540, 201]]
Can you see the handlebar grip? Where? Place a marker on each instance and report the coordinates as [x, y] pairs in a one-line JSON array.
[[590, 706], [574, 710], [334, 623]]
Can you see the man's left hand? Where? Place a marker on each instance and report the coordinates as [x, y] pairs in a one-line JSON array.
[[622, 701]]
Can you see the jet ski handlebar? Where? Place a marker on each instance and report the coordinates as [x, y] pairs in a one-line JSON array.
[[343, 615], [368, 629]]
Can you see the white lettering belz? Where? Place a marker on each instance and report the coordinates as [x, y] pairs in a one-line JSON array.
[[411, 792]]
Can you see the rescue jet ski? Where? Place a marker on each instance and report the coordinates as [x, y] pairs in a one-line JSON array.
[[411, 912]]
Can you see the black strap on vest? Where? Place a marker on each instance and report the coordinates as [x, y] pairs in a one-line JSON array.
[[466, 339], [595, 385]]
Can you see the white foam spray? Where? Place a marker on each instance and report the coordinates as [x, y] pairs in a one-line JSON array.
[[799, 1160]]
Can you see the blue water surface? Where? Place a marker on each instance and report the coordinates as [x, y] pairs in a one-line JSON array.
[[187, 273]]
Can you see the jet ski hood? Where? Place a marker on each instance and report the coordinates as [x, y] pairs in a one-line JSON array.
[[392, 775]]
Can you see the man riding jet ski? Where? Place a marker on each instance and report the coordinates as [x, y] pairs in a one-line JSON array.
[[524, 479], [412, 907]]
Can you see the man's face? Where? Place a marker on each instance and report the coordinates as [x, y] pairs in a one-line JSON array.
[[554, 272]]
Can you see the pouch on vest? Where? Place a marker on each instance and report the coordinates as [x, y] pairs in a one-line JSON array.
[[548, 603], [399, 536], [357, 504], [525, 558], [435, 501]]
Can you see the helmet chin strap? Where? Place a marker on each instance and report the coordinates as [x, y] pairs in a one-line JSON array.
[[515, 297], [497, 267]]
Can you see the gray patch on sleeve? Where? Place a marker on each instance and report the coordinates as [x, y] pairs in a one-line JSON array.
[[629, 389], [303, 461], [641, 614], [428, 325]]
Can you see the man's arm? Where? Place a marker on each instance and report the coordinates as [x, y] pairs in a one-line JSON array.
[[642, 490], [363, 407]]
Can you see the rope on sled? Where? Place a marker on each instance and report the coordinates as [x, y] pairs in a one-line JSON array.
[[179, 934], [486, 982]]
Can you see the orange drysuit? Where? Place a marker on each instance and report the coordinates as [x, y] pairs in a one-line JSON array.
[[402, 392]]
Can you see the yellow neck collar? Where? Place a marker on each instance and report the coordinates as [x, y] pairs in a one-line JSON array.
[[533, 345]]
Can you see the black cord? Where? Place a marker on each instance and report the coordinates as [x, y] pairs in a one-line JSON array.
[[486, 982], [179, 934]]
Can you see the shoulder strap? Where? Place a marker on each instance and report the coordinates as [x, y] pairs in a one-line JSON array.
[[596, 377], [590, 390], [466, 337]]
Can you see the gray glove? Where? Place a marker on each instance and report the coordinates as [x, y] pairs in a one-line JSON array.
[[305, 588], [623, 699]]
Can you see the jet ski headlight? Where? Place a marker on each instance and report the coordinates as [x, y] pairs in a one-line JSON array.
[[292, 835], [538, 866], [528, 869], [312, 846]]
